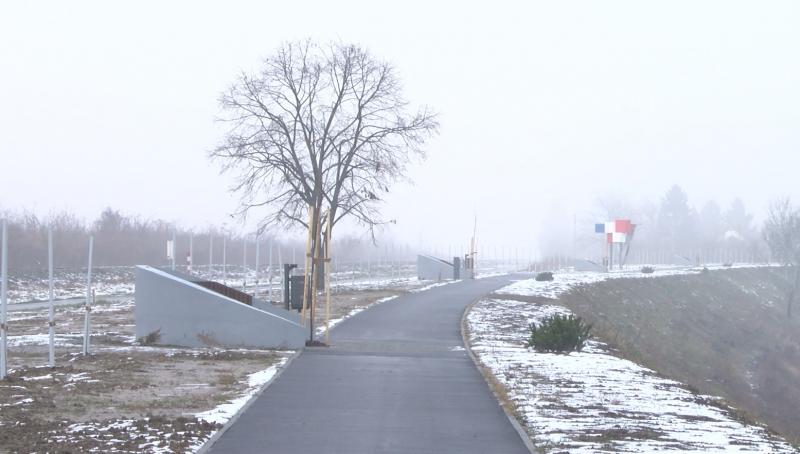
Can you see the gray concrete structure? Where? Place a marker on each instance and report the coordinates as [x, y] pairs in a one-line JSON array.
[[396, 380], [682, 260], [434, 269], [431, 268], [588, 265], [188, 314]]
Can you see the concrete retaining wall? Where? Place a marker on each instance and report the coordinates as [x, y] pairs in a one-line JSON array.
[[431, 268], [187, 314], [588, 265]]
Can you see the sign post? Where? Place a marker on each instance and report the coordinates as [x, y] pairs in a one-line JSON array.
[[88, 304], [224, 259], [244, 263], [4, 303], [51, 315], [255, 292], [269, 273], [618, 232], [171, 250], [190, 257]]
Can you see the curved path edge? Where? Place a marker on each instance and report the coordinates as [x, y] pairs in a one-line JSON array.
[[491, 380], [206, 446]]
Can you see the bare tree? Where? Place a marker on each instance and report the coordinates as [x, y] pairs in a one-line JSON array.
[[782, 235], [320, 127]]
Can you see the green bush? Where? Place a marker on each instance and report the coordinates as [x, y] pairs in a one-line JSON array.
[[559, 334], [544, 276], [648, 270]]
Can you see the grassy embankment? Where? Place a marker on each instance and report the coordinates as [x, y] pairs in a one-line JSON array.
[[723, 332]]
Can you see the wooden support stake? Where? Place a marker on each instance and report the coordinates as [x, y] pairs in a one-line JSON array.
[[88, 304], [51, 361], [305, 269], [328, 279], [4, 303], [317, 219]]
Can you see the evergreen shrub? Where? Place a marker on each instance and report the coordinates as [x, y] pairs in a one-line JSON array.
[[559, 334]]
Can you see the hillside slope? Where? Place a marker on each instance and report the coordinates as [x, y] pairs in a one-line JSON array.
[[723, 332]]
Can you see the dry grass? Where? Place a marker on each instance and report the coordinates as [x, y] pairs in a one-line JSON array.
[[722, 332]]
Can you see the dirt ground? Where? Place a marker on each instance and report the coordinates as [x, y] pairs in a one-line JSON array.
[[124, 396]]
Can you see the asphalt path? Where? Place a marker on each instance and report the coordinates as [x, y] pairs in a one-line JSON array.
[[396, 379]]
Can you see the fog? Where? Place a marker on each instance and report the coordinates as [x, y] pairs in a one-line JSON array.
[[545, 109]]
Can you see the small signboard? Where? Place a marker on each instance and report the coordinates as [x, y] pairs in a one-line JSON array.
[[616, 231]]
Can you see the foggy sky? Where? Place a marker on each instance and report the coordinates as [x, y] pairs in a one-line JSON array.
[[543, 107]]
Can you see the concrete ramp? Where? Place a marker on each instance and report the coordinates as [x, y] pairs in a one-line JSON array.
[[682, 260], [588, 265], [434, 269], [177, 311]]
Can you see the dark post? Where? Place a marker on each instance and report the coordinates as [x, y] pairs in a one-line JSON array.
[[287, 271]]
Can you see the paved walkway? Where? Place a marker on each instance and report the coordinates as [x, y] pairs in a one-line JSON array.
[[396, 380]]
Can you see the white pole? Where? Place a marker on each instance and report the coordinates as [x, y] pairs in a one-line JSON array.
[[51, 315], [210, 251], [280, 272], [173, 250], [269, 273], [191, 251], [224, 259], [255, 292], [244, 263], [4, 302], [88, 305]]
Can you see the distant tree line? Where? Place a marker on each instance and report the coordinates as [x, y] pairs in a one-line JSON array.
[[121, 239], [118, 240], [673, 226]]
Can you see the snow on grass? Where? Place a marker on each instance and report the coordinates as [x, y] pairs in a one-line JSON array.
[[40, 377], [564, 281], [21, 402], [255, 381], [20, 316], [68, 284], [551, 289], [61, 340], [81, 377], [117, 435], [366, 283], [593, 401]]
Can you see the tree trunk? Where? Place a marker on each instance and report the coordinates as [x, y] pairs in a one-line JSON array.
[[320, 270]]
